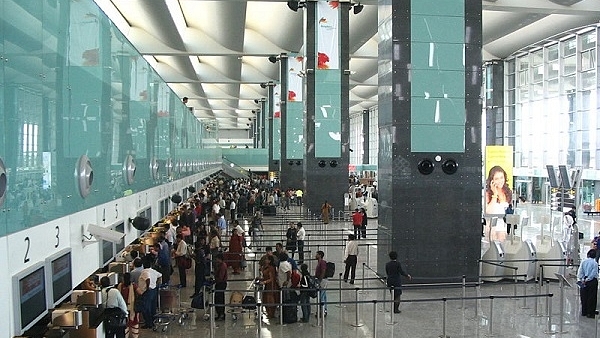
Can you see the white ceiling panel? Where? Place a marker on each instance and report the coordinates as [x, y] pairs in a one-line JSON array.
[[215, 51]]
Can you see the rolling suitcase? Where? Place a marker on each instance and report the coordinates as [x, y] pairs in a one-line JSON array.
[[290, 307]]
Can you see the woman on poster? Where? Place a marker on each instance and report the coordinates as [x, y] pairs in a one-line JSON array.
[[498, 194]]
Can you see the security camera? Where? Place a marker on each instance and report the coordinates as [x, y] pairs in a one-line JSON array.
[[105, 233]]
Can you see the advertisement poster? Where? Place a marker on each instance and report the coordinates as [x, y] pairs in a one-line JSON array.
[[498, 179]]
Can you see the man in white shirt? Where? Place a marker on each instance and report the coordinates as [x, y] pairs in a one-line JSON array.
[[115, 306], [300, 235], [350, 258], [232, 209], [148, 290], [284, 272]]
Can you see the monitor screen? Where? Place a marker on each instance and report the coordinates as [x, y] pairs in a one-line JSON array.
[[32, 297], [61, 277], [107, 252], [121, 245]]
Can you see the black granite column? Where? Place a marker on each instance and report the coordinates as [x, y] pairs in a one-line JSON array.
[[291, 166], [430, 167], [326, 176]]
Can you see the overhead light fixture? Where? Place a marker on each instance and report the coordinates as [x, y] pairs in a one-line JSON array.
[[358, 8], [263, 85], [255, 100], [273, 58]]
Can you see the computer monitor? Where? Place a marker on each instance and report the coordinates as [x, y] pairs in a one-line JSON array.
[[29, 297], [121, 245], [59, 280], [107, 253]]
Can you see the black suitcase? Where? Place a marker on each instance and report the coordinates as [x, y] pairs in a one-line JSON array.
[[270, 210], [290, 307]]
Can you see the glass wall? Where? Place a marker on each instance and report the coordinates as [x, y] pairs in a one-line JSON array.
[[78, 107], [551, 111]]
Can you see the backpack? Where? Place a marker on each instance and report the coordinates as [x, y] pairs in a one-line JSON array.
[[330, 270], [312, 286]]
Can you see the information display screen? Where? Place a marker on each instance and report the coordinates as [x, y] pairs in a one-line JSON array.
[[61, 277], [32, 297]]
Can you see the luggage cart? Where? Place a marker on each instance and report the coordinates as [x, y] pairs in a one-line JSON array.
[[238, 300], [169, 309], [207, 291], [235, 300]]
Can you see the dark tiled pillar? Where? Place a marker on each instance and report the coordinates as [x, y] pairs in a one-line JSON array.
[[327, 117], [430, 113]]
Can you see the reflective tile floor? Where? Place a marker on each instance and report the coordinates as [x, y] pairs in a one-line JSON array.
[[424, 313]]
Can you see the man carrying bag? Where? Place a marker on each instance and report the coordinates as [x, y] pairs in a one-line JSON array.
[[115, 310]]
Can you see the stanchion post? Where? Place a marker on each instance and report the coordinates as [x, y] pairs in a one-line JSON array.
[[363, 277], [444, 317], [464, 292], [524, 295], [537, 289], [549, 309], [375, 320], [357, 309], [477, 300], [547, 292], [340, 292], [391, 322], [562, 307], [259, 318], [281, 307], [515, 286], [368, 255], [491, 316], [383, 303], [212, 318], [322, 320]]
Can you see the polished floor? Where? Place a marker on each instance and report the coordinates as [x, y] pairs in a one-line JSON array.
[[424, 313]]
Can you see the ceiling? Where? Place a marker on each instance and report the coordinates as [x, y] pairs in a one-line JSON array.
[[215, 51]]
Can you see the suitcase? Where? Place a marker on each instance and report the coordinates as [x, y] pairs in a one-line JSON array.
[[290, 307], [270, 210]]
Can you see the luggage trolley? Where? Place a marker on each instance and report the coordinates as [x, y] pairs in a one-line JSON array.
[[245, 302], [169, 309]]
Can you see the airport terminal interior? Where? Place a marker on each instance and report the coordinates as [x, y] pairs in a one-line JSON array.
[[462, 135]]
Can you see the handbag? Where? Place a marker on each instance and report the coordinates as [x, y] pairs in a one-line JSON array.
[[198, 301], [184, 262], [115, 318]]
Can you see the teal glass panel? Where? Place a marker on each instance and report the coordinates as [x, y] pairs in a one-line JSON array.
[[437, 55], [3, 116], [277, 138], [438, 7], [437, 76], [78, 87], [426, 28], [328, 122], [252, 157], [437, 83], [438, 111], [437, 138], [267, 129], [295, 131]]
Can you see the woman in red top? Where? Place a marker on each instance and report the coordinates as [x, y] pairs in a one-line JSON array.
[[269, 280], [236, 249]]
